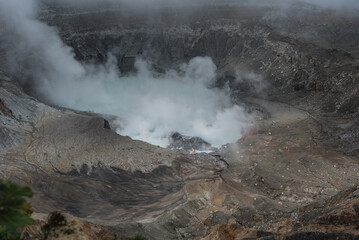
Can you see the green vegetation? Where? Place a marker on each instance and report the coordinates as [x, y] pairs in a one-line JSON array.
[[15, 211], [56, 219]]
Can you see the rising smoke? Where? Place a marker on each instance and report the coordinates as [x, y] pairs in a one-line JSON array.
[[149, 106]]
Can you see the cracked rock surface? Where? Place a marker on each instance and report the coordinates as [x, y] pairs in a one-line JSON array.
[[293, 176]]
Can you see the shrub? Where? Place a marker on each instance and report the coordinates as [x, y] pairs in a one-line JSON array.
[[55, 219], [15, 211]]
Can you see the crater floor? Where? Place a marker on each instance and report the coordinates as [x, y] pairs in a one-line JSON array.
[[294, 175]]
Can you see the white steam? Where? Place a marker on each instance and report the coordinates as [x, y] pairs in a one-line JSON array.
[[255, 81], [150, 106]]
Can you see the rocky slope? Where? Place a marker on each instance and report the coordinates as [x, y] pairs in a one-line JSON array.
[[297, 50], [293, 176]]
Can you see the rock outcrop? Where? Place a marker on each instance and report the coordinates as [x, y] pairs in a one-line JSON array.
[[294, 175]]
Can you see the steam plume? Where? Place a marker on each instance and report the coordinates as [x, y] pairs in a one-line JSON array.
[[150, 106]]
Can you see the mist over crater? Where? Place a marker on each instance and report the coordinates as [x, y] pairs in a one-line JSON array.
[[150, 106]]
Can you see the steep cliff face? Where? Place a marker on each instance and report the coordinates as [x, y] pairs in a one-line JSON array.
[[308, 53], [296, 49], [282, 179]]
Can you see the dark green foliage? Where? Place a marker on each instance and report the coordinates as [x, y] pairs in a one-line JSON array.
[[137, 237], [14, 210], [56, 219]]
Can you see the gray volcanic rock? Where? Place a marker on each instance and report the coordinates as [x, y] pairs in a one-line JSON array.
[[17, 111], [299, 49], [286, 176], [77, 165], [178, 141]]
